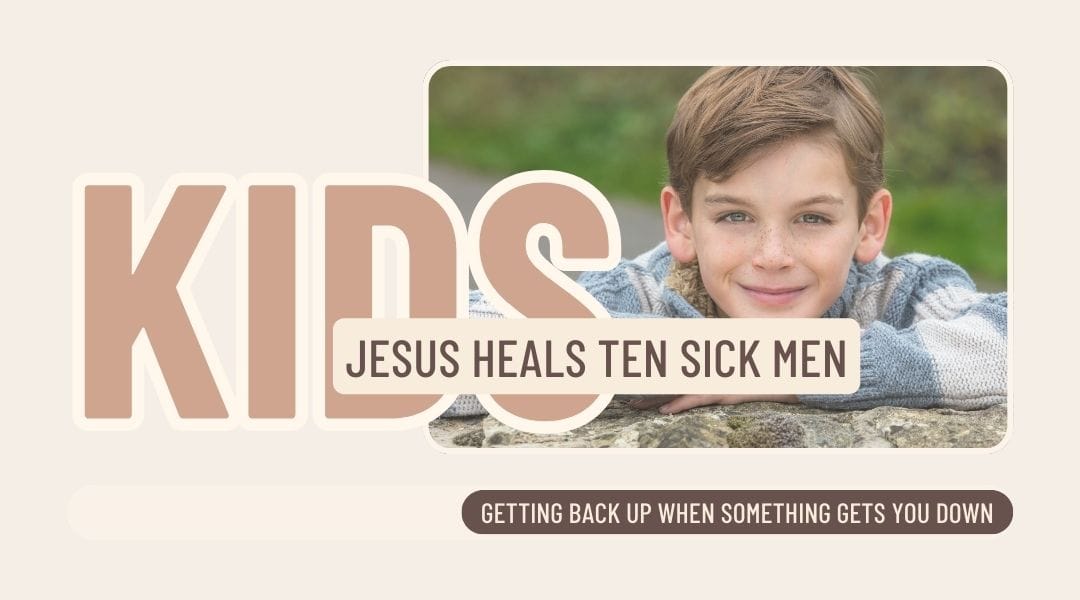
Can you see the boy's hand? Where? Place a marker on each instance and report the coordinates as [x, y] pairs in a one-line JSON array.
[[647, 401], [694, 400]]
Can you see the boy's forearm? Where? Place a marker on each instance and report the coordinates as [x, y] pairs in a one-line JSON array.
[[954, 357], [959, 363]]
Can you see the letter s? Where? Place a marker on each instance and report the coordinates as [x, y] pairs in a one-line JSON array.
[[506, 262]]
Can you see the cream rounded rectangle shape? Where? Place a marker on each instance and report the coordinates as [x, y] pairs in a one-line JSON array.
[[267, 512], [575, 356]]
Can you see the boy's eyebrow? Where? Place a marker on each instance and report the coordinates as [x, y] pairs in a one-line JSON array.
[[728, 199], [725, 199], [820, 199]]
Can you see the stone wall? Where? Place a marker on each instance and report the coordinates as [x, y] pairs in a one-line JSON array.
[[748, 425]]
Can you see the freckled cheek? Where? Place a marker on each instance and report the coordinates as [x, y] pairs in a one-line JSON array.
[[719, 262], [831, 265]]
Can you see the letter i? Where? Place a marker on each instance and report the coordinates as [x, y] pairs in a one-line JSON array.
[[271, 310]]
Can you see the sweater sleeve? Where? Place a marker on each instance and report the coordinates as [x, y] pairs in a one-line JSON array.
[[632, 289], [929, 340], [467, 405], [613, 290]]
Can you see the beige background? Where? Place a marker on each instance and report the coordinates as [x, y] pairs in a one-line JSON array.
[[108, 87]]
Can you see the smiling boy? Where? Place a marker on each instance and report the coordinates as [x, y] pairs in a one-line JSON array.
[[776, 239], [776, 207]]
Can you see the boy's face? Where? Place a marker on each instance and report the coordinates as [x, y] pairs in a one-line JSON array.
[[777, 238]]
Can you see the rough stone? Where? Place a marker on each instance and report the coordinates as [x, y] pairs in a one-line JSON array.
[[749, 425]]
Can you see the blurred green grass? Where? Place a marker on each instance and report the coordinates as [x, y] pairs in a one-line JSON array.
[[945, 156]]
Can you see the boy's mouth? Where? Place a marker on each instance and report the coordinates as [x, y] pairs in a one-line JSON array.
[[773, 296]]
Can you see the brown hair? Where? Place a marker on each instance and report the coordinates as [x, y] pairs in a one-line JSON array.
[[732, 112]]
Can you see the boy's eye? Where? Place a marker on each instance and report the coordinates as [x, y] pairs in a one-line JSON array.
[[814, 219], [733, 217]]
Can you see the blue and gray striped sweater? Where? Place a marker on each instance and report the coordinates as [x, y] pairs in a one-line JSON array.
[[929, 339]]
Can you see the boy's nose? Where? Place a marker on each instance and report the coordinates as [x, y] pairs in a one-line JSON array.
[[773, 249]]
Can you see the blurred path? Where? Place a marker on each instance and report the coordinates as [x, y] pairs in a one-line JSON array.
[[640, 223]]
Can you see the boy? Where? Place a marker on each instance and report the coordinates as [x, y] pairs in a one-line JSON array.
[[775, 207]]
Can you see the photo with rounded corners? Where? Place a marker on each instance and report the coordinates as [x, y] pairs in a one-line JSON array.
[[874, 193]]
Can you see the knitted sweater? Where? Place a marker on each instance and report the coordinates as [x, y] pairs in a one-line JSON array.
[[928, 338]]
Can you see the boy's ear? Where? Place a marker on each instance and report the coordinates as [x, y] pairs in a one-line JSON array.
[[677, 228], [875, 227]]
